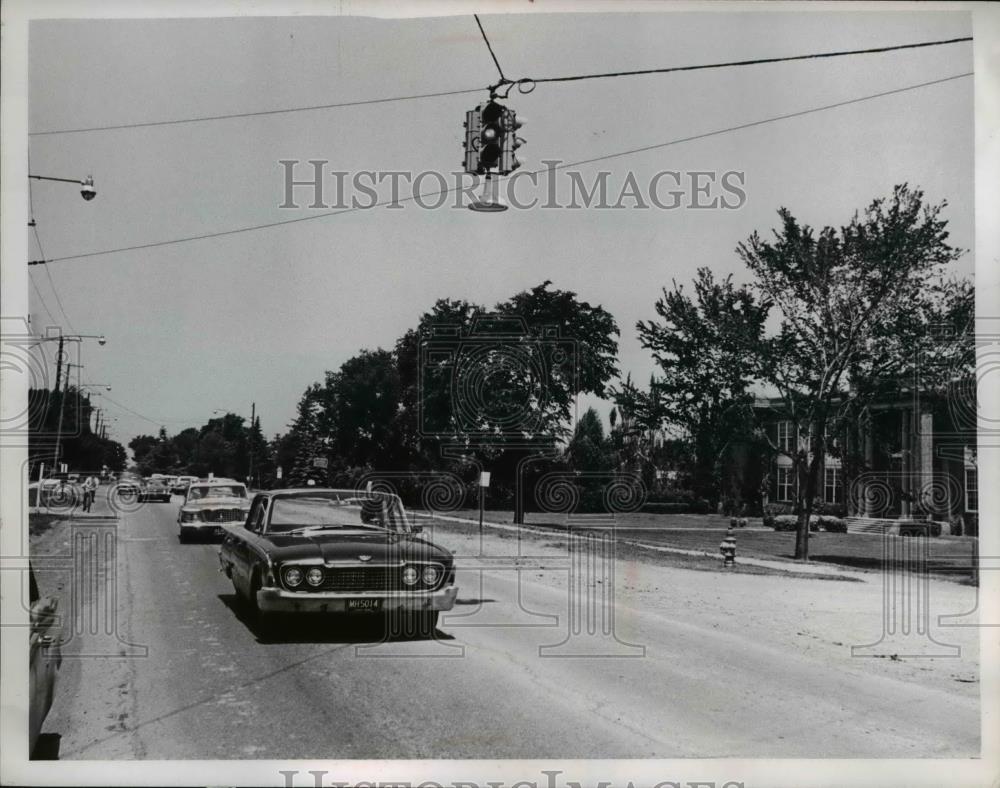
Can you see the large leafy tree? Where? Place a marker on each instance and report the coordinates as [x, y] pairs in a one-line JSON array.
[[700, 341], [501, 383], [854, 306]]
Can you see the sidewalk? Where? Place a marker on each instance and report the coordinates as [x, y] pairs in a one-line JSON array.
[[776, 564]]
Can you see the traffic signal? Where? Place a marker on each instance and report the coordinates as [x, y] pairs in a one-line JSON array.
[[511, 142], [490, 141]]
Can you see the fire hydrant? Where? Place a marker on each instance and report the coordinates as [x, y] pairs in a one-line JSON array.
[[728, 549]]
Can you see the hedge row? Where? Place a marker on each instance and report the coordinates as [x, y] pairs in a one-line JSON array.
[[789, 522]]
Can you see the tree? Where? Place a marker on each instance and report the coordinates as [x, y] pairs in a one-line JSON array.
[[141, 445], [854, 307], [366, 397], [588, 451], [161, 458], [701, 346]]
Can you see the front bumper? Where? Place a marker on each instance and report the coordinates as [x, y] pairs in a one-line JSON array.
[[278, 600], [204, 529]]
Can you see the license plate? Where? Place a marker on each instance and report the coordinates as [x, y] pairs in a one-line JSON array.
[[364, 605]]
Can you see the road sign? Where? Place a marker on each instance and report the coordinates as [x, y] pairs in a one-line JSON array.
[[278, 473], [484, 478], [320, 462]]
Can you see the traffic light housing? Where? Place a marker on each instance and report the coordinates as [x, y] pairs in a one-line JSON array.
[[490, 139], [511, 142]]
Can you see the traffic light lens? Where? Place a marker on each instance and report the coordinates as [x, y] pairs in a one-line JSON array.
[[489, 134], [490, 154], [492, 113]]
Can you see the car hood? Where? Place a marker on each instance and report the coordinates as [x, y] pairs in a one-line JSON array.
[[383, 548], [218, 503]]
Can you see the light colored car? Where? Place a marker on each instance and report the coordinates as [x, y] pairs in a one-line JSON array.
[[45, 657], [209, 506], [180, 485]]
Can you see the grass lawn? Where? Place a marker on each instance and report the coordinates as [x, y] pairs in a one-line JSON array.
[[950, 556]]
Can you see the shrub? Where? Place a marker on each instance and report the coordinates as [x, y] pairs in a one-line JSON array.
[[834, 525], [831, 509], [929, 528], [699, 506], [790, 522]]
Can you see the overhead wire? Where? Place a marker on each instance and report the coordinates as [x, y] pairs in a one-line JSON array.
[[142, 416], [489, 46], [520, 83], [255, 114], [41, 251], [422, 195], [752, 62]]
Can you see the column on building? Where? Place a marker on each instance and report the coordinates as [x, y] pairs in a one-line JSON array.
[[908, 484], [926, 447]]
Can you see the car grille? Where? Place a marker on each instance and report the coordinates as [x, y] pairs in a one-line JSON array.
[[368, 578], [374, 578], [222, 515]]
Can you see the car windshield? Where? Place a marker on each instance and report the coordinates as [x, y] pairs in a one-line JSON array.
[[332, 510], [196, 493]]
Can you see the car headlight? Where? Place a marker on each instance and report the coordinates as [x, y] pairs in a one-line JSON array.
[[314, 576], [431, 575], [292, 576], [190, 517], [410, 575]]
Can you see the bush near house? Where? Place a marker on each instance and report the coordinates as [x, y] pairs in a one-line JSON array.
[[675, 501], [789, 522], [699, 506]]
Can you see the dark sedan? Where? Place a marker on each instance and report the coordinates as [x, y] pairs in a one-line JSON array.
[[337, 551]]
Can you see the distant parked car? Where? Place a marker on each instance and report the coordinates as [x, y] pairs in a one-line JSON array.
[[209, 505], [45, 657], [316, 550], [154, 490], [181, 484], [128, 486]]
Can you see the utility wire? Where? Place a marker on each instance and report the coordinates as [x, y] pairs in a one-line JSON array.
[[741, 63], [422, 195], [136, 413], [42, 300], [41, 251], [202, 119], [490, 47], [503, 81]]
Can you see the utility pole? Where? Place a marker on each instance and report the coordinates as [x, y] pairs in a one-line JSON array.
[[62, 408], [59, 360], [253, 424]]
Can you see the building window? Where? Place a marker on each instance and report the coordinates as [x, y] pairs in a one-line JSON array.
[[832, 485], [785, 483], [971, 490], [785, 436]]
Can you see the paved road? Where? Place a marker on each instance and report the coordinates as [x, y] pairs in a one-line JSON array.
[[197, 682]]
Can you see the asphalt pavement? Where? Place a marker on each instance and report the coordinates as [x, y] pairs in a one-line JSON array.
[[166, 667]]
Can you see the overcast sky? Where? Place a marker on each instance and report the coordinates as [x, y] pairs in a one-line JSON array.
[[258, 316]]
